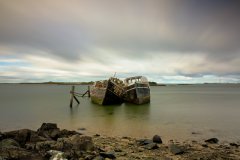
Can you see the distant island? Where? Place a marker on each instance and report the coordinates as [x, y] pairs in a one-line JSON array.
[[151, 83], [85, 83], [64, 83], [156, 84]]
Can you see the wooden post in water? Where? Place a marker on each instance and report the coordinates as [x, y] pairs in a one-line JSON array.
[[72, 95], [77, 94], [88, 91]]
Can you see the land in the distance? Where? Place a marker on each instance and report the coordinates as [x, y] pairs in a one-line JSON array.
[[151, 83]]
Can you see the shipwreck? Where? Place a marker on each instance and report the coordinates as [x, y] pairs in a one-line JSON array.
[[107, 92], [115, 91]]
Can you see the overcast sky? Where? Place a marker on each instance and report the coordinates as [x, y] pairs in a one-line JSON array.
[[168, 41]]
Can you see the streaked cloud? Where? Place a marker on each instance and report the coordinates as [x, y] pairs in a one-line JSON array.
[[169, 41]]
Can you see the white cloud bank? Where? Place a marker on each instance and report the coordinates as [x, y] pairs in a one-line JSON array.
[[168, 41]]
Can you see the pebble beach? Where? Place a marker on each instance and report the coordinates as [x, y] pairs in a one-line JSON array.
[[51, 142]]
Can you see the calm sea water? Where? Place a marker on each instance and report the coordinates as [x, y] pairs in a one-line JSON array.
[[174, 112]]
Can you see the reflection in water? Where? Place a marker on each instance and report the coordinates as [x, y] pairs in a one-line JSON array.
[[73, 111], [140, 112]]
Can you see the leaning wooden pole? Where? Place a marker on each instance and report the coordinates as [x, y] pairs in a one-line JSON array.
[[72, 95], [76, 99]]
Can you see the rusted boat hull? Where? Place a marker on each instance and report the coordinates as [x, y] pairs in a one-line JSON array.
[[137, 94], [97, 95], [106, 96]]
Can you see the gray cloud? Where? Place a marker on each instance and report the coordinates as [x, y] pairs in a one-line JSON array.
[[134, 29]]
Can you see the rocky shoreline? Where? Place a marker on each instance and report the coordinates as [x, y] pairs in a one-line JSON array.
[[49, 142]]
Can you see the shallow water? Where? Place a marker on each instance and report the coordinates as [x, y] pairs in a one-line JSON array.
[[175, 111]]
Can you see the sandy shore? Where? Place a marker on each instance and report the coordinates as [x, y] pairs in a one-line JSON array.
[[49, 142]]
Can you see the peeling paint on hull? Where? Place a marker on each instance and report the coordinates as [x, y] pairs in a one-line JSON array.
[[106, 95], [137, 94]]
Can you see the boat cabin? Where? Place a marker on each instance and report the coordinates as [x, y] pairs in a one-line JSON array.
[[136, 79]]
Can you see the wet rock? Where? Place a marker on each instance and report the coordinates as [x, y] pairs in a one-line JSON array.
[[151, 146], [75, 142], [234, 145], [109, 155], [22, 136], [89, 157], [9, 143], [10, 149], [157, 139], [48, 126], [18, 154], [11, 134], [54, 134], [100, 149], [45, 146], [174, 149], [56, 155], [212, 140], [34, 138], [63, 144], [1, 136], [66, 133], [49, 130], [142, 142], [76, 154], [30, 146], [81, 142], [204, 145], [98, 158]]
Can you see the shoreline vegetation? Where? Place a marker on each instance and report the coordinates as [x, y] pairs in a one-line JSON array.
[[50, 142]]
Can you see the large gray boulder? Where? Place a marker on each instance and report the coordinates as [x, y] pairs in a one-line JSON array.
[[19, 154], [49, 131], [21, 136], [24, 136], [10, 149], [82, 143], [75, 142], [48, 126]]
